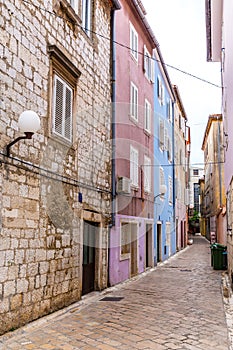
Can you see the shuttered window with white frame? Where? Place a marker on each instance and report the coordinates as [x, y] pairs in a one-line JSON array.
[[134, 166], [147, 122], [62, 108], [134, 101], [147, 174], [133, 42]]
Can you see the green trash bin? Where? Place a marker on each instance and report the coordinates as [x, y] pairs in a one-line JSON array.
[[218, 254], [211, 251]]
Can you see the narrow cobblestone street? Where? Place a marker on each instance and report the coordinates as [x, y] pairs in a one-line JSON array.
[[178, 305]]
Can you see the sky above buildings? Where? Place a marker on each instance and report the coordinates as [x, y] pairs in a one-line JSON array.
[[179, 26]]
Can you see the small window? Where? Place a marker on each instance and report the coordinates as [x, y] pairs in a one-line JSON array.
[[125, 238], [134, 166], [134, 102], [195, 172], [147, 174], [161, 179], [86, 16], [133, 42], [160, 91], [161, 135], [147, 116], [147, 63], [169, 110], [170, 189], [62, 108]]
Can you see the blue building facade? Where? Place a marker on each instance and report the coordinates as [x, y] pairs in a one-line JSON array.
[[164, 175]]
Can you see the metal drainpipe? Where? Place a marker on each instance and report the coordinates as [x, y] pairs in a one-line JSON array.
[[219, 165], [113, 123], [113, 130]]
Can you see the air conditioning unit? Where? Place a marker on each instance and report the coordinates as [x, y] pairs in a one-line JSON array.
[[123, 185]]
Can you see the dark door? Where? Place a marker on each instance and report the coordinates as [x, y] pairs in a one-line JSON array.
[[159, 242], [89, 241], [148, 245]]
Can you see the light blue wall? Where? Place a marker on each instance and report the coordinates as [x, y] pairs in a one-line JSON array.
[[164, 211]]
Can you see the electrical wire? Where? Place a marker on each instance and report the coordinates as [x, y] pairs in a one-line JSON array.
[[49, 174], [126, 46]]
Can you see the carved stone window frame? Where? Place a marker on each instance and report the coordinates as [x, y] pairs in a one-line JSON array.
[[60, 65], [64, 9]]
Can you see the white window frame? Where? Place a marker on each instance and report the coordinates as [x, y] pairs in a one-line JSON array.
[[147, 118], [160, 91], [147, 174], [134, 157], [63, 128], [161, 180], [133, 42], [147, 63], [86, 16], [134, 101]]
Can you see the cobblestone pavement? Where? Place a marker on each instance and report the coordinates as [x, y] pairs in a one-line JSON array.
[[177, 305]]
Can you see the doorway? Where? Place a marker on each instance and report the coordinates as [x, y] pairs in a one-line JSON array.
[[134, 249], [159, 242], [148, 243], [90, 232]]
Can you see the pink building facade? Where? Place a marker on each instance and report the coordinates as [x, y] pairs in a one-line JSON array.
[[131, 236]]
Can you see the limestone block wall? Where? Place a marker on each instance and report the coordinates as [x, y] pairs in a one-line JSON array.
[[47, 186]]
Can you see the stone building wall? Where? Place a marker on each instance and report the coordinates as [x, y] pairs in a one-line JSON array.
[[48, 187]]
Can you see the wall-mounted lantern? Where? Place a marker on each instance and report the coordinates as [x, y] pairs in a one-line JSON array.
[[29, 123]]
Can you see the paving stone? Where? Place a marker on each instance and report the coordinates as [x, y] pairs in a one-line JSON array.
[[177, 305]]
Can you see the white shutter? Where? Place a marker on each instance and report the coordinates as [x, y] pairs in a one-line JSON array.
[[62, 109], [147, 174], [134, 166], [68, 114], [153, 69]]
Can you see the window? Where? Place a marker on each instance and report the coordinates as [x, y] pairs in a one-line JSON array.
[[160, 90], [133, 42], [63, 91], [195, 172], [169, 149], [125, 238], [170, 190], [86, 16], [161, 178], [148, 65], [129, 237], [62, 108], [161, 135], [134, 166], [147, 116], [147, 174], [134, 101], [169, 110]]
